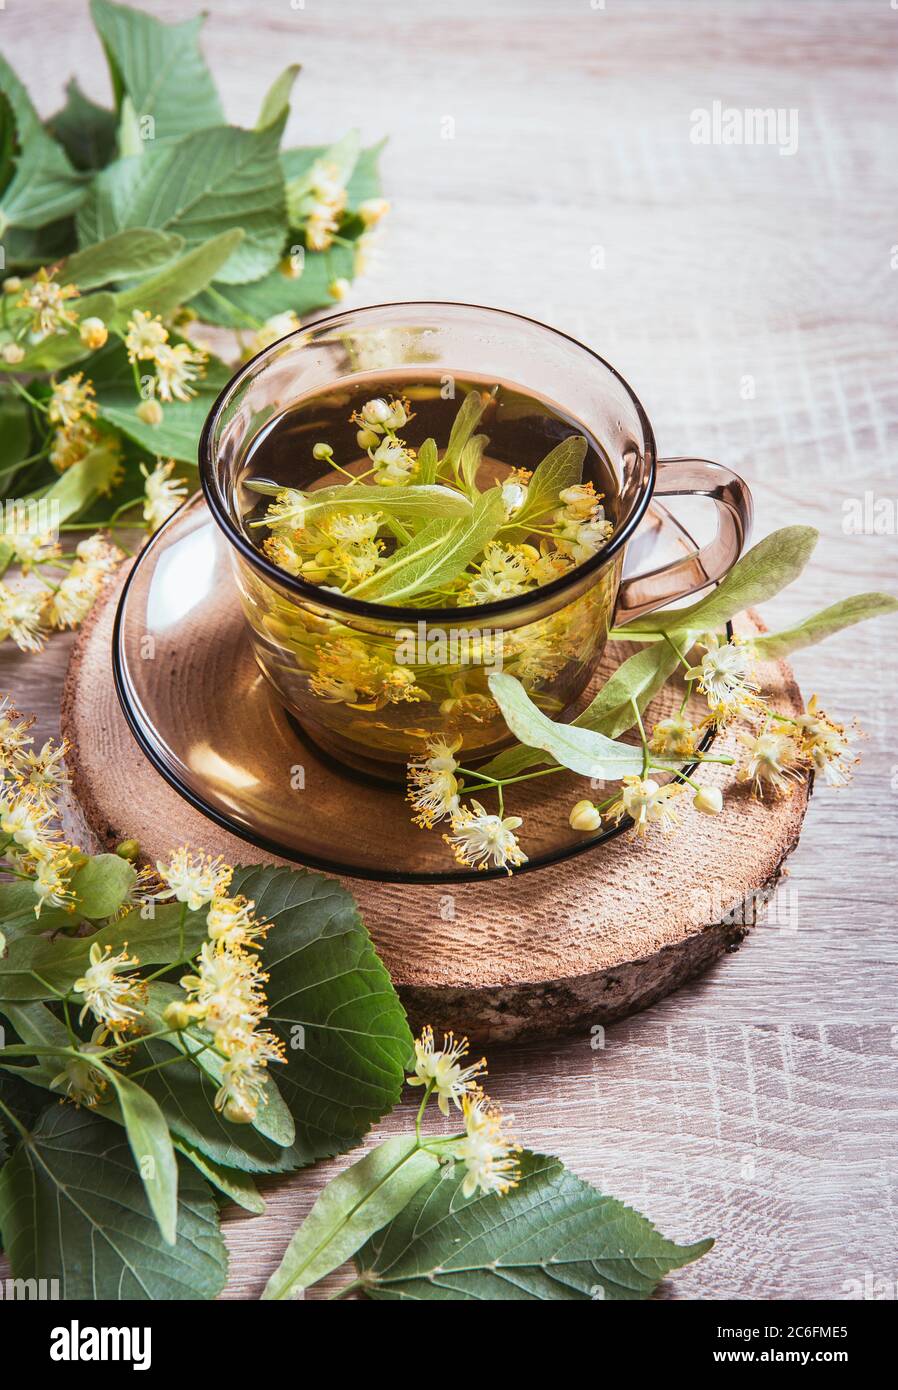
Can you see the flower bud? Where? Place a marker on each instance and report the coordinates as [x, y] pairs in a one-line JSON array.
[[12, 284], [128, 849], [322, 451], [708, 800], [93, 333], [238, 1114], [338, 289], [372, 210], [366, 439], [375, 412], [585, 816], [150, 412], [12, 353], [178, 1014]]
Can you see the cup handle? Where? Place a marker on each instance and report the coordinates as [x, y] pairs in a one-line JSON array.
[[681, 477]]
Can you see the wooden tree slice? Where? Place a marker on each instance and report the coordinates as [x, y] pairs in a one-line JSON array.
[[587, 941]]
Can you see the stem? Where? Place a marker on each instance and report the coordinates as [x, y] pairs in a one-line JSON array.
[[420, 1115], [346, 1290], [14, 1120], [646, 756]]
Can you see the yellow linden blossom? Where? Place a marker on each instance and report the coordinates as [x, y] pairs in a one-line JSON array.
[[46, 301], [194, 879], [441, 1069], [826, 744], [72, 444], [72, 398], [110, 989], [479, 838], [675, 737], [82, 1082], [647, 804], [724, 675], [21, 617], [433, 787], [177, 367], [72, 599], [145, 335], [163, 494], [230, 922], [489, 1155], [774, 760], [349, 674]]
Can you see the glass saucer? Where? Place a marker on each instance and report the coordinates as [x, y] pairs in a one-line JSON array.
[[211, 725]]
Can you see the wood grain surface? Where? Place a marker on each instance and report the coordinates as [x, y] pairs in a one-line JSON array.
[[749, 297]]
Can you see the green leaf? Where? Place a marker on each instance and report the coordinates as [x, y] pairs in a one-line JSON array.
[[333, 1004], [44, 187], [136, 251], [176, 283], [414, 501], [61, 962], [463, 426], [152, 1149], [277, 99], [764, 571], [85, 481], [364, 183], [470, 461], [436, 555], [73, 1208], [9, 142], [102, 885], [199, 186], [428, 462], [15, 431], [640, 677], [353, 1206], [824, 624], [552, 1237], [561, 468], [582, 750], [239, 1187], [245, 306], [86, 131], [160, 67]]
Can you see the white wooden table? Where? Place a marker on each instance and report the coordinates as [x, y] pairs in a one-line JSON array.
[[749, 296]]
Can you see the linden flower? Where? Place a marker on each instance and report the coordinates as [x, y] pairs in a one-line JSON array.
[[647, 804], [82, 1082], [42, 773], [230, 923], [488, 1154], [29, 551], [504, 572], [228, 990], [724, 675], [352, 528], [14, 735], [163, 494], [393, 462], [243, 1076], [826, 744], [110, 991], [278, 326], [93, 333], [432, 785], [372, 210], [675, 737], [194, 879], [176, 368], [72, 444], [21, 617], [46, 301], [288, 510], [773, 758], [441, 1069], [51, 884], [145, 335], [479, 837]]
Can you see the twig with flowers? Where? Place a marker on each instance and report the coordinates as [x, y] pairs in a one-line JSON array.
[[779, 748], [103, 387], [153, 1002]]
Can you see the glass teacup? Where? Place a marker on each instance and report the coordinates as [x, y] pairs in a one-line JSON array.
[[373, 683]]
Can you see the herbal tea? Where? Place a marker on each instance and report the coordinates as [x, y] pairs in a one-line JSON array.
[[396, 494]]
